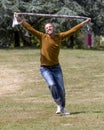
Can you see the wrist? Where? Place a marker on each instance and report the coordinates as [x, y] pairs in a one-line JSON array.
[[19, 19], [86, 21]]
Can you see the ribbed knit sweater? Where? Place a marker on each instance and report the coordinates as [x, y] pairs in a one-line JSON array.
[[50, 46]]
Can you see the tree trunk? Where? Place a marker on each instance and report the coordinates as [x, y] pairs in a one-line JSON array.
[[16, 39], [70, 43]]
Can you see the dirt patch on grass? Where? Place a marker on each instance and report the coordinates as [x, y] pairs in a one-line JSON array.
[[10, 80]]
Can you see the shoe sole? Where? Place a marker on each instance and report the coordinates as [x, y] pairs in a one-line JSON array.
[[58, 112]]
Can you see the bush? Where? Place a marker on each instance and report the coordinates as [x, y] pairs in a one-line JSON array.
[[97, 42]]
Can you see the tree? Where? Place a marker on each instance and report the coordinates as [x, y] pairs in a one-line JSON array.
[[69, 7], [95, 10], [6, 15]]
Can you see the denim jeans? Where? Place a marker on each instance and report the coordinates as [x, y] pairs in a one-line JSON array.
[[54, 79]]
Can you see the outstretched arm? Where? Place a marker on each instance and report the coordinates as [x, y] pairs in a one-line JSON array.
[[74, 29], [28, 26]]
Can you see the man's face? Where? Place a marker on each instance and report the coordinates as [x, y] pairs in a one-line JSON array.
[[49, 28]]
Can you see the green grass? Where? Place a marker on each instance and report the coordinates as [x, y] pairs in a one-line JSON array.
[[26, 103]]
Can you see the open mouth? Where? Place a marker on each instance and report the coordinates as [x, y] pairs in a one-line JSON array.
[[49, 31]]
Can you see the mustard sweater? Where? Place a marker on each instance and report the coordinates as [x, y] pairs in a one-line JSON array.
[[50, 46]]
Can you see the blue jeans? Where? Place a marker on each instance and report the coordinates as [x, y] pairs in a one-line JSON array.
[[54, 79]]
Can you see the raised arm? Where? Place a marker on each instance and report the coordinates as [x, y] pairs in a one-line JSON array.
[[74, 29], [28, 26]]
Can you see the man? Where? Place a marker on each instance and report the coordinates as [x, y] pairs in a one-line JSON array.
[[49, 63]]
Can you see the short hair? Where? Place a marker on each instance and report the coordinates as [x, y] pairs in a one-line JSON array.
[[49, 23]]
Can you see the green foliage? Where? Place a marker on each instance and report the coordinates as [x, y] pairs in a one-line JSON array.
[[78, 44], [96, 12], [6, 15], [96, 42], [69, 7]]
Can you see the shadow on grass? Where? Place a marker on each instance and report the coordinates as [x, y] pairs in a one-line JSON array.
[[74, 113]]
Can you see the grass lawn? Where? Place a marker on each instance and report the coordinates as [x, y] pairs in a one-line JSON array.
[[26, 103]]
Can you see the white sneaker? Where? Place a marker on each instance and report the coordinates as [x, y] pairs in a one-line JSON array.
[[59, 109], [63, 111]]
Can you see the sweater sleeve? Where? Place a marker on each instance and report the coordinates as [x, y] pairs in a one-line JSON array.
[[71, 31], [32, 30]]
